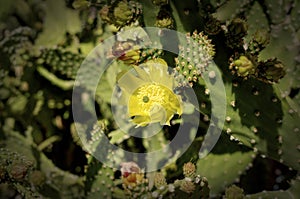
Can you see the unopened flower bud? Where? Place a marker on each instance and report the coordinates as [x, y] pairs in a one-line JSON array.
[[189, 170], [131, 175], [187, 186], [159, 180]]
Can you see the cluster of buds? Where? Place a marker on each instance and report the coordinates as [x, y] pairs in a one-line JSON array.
[[194, 57], [60, 61], [246, 64], [121, 13], [192, 185], [130, 52], [126, 51], [269, 71], [17, 46]]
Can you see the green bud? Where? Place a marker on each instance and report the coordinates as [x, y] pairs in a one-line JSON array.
[[121, 13], [164, 19], [243, 66], [234, 192]]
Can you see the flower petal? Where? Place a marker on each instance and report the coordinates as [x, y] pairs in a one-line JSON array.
[[130, 82], [158, 114], [158, 71]]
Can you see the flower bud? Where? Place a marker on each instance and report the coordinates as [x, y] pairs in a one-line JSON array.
[[189, 170], [234, 192], [159, 180], [131, 175], [187, 186], [164, 20], [271, 70], [126, 51], [121, 13], [243, 66]]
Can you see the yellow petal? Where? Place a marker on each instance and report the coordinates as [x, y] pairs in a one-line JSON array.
[[141, 120], [142, 74], [129, 82], [158, 71], [158, 114], [133, 106]]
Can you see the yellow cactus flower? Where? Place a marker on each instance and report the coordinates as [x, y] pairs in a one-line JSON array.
[[148, 92]]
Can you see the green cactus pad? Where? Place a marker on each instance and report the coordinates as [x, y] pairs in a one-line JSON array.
[[224, 165]]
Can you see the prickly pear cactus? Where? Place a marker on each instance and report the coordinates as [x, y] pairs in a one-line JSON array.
[[95, 104]]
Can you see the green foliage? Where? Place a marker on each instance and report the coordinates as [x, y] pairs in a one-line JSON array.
[[45, 154]]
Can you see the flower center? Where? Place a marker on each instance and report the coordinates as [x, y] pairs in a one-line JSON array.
[[151, 94], [145, 99]]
